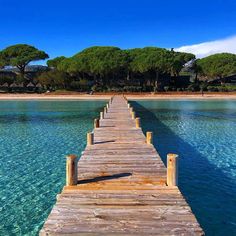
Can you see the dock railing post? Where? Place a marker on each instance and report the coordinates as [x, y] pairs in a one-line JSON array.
[[96, 123], [138, 122], [133, 115], [105, 110], [131, 109], [71, 170], [90, 138], [101, 115], [149, 137], [172, 169]]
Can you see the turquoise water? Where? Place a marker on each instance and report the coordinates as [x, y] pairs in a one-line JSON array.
[[36, 135], [203, 133]]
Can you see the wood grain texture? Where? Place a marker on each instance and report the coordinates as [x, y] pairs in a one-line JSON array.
[[121, 188]]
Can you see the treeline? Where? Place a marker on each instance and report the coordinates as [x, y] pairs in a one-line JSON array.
[[113, 69]]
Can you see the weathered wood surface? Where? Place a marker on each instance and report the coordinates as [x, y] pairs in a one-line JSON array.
[[121, 187]]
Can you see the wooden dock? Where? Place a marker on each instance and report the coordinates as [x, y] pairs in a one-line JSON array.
[[120, 185]]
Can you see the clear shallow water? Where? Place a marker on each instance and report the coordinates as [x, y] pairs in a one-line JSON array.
[[203, 133], [35, 136]]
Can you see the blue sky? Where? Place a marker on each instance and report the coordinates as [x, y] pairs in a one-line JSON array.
[[66, 27]]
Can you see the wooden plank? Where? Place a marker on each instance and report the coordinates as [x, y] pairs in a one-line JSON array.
[[121, 188]]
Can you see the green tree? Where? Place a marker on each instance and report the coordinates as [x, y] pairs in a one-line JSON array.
[[20, 55], [109, 67], [157, 64], [102, 63], [178, 60], [54, 79], [55, 62], [2, 63], [218, 65], [151, 62], [196, 68]]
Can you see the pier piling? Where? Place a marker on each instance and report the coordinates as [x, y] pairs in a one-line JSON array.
[[71, 170], [133, 115], [96, 123], [90, 138], [172, 170], [101, 115], [149, 137], [137, 122]]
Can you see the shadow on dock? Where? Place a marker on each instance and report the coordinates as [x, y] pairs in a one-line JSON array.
[[103, 178], [207, 189], [102, 142]]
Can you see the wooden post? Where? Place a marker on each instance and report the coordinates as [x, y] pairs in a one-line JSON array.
[[90, 138], [128, 105], [137, 122], [71, 170], [149, 137], [172, 169], [131, 110], [133, 115], [101, 115], [105, 110], [107, 106], [96, 123]]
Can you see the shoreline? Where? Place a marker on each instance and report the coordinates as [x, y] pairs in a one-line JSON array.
[[221, 96]]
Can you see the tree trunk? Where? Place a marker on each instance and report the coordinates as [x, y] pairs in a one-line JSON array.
[[128, 76], [95, 79], [222, 79], [157, 76], [156, 81], [22, 70], [196, 77]]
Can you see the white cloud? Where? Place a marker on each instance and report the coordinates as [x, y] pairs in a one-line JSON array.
[[212, 47]]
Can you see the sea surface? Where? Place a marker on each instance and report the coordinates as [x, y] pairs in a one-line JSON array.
[[35, 137]]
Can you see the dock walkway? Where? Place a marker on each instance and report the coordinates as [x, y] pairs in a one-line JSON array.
[[120, 186]]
